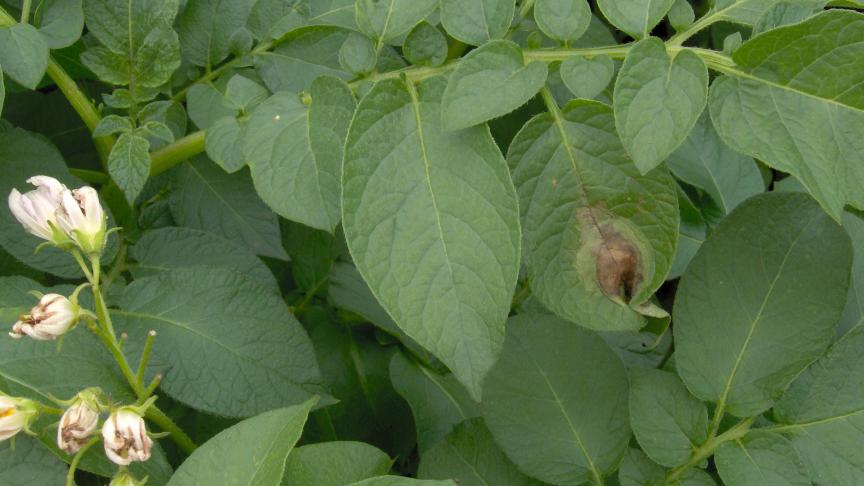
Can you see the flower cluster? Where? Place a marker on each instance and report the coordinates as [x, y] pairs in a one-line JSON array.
[[67, 218]]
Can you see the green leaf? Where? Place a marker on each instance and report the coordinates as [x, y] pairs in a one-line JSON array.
[[2, 90], [425, 45], [384, 20], [205, 105], [470, 456], [358, 54], [243, 94], [111, 124], [557, 425], [266, 14], [223, 142], [823, 412], [334, 464], [437, 401], [251, 452], [579, 192], [169, 248], [691, 235], [402, 481], [431, 220], [295, 153], [706, 162], [477, 21], [748, 12], [760, 301], [129, 164], [761, 458], [493, 80], [207, 28], [60, 22], [681, 15], [22, 155], [780, 14], [562, 20], [208, 199], [587, 78], [23, 54], [27, 463], [303, 56], [658, 99], [667, 421], [139, 46], [229, 344], [638, 470], [635, 17], [313, 252], [775, 106], [853, 315]]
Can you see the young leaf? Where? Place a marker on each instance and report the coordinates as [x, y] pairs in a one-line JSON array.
[[760, 301], [635, 17], [23, 54], [493, 80], [207, 28], [658, 100], [775, 105], [470, 455], [386, 20], [667, 421], [562, 20], [358, 54], [218, 324], [425, 45], [761, 458], [477, 21], [706, 162], [60, 22], [432, 223], [556, 401], [599, 237], [587, 78], [251, 452], [208, 199], [139, 47], [169, 248], [823, 412], [681, 15], [295, 152], [129, 164], [334, 464], [438, 402]]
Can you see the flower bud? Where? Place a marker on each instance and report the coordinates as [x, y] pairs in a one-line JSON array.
[[80, 215], [125, 437], [78, 424], [37, 210], [16, 414], [53, 316], [123, 478]]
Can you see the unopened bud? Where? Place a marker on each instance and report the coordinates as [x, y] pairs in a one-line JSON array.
[[125, 437], [53, 316], [78, 424]]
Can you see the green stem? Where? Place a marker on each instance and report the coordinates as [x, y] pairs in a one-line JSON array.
[[158, 417], [70, 476], [707, 449], [80, 259], [145, 357], [179, 151], [25, 11], [210, 75], [712, 17]]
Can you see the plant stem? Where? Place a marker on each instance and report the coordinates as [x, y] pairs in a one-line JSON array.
[[210, 75], [707, 449], [70, 476], [25, 11], [145, 356], [179, 151]]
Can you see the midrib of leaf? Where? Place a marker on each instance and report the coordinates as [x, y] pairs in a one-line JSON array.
[[813, 423], [415, 106], [380, 43], [721, 403], [750, 458], [598, 478], [131, 48]]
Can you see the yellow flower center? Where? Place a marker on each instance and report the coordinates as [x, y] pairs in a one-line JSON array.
[[7, 412]]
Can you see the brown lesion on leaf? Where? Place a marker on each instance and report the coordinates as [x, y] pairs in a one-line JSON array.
[[618, 263]]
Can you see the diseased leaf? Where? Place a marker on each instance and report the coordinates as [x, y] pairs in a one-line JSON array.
[[477, 21], [431, 220], [493, 80], [658, 99], [635, 17], [599, 237], [384, 20], [251, 452], [334, 464], [760, 301], [668, 422], [208, 199], [823, 413], [23, 54], [556, 401], [207, 27], [761, 458], [587, 78], [295, 152], [129, 164], [562, 20], [706, 162], [786, 102], [437, 401], [470, 456]]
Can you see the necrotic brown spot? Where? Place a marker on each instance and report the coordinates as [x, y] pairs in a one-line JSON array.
[[619, 264]]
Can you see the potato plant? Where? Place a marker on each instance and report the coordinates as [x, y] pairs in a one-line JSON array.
[[432, 242]]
